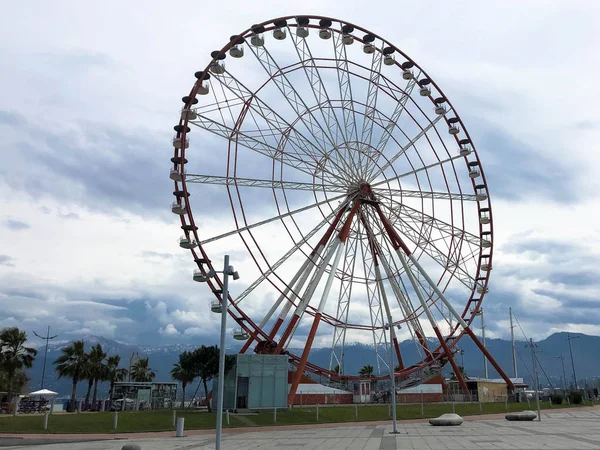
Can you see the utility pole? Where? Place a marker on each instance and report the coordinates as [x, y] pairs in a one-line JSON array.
[[562, 360], [569, 338], [512, 339], [535, 378], [48, 338]]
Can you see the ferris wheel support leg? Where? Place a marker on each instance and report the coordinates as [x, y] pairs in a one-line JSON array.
[[342, 237], [464, 324], [432, 321], [389, 315], [397, 293]]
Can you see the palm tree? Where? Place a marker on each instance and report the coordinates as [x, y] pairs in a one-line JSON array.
[[140, 371], [71, 363], [113, 373], [97, 367], [184, 372], [366, 371], [15, 356]]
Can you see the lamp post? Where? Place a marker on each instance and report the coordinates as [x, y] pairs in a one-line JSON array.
[[48, 338], [562, 360], [569, 339], [392, 379], [535, 378], [227, 270]]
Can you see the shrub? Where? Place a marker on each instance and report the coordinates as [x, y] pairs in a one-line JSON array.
[[576, 397], [556, 399]]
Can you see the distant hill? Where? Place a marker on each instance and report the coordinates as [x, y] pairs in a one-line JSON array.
[[586, 355]]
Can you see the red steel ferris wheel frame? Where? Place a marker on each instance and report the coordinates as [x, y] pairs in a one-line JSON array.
[[447, 344]]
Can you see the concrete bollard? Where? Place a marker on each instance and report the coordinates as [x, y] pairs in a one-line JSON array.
[[506, 403], [317, 413], [356, 412], [174, 417], [46, 421], [227, 415], [115, 420], [389, 410], [275, 415], [453, 411], [51, 407], [480, 408], [180, 423]]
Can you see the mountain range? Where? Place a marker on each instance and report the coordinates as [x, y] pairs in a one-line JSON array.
[[585, 349]]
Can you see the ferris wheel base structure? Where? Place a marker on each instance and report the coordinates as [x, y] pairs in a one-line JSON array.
[[355, 193]]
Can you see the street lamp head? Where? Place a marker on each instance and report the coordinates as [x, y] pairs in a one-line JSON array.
[[236, 276]]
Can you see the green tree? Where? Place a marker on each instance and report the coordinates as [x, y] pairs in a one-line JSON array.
[[71, 363], [14, 356], [206, 365], [97, 367], [141, 372], [337, 369], [366, 371], [183, 371], [113, 373]]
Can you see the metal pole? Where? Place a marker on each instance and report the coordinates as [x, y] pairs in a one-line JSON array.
[[222, 353], [392, 382], [512, 339], [572, 362], [485, 365], [48, 338], [535, 378]]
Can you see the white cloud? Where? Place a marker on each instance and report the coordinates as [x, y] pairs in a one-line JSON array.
[[86, 246], [169, 330]]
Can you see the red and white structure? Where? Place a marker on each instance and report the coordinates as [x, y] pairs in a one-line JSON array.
[[357, 201]]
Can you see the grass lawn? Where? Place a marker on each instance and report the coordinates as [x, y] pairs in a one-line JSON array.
[[161, 420]]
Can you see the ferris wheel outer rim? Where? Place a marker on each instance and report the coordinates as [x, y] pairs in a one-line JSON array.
[[467, 314]]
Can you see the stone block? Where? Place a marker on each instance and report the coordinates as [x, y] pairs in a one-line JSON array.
[[446, 420], [521, 416]]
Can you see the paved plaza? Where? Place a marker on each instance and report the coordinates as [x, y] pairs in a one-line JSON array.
[[565, 430]]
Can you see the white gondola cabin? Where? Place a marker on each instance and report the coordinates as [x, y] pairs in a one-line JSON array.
[[176, 175], [187, 242], [240, 334], [178, 209], [179, 142], [215, 306]]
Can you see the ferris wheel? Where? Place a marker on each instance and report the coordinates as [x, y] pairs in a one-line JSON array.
[[338, 173]]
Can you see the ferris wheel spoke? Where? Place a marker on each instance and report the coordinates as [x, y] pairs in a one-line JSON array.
[[412, 172], [318, 87], [371, 103], [262, 183], [350, 131], [278, 127], [443, 227], [343, 307], [272, 268], [272, 219], [449, 260], [392, 123], [323, 140], [390, 194], [403, 150], [254, 143]]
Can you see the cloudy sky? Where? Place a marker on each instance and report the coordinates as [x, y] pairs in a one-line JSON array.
[[90, 93]]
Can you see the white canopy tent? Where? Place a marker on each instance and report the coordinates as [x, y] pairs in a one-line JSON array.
[[43, 392]]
